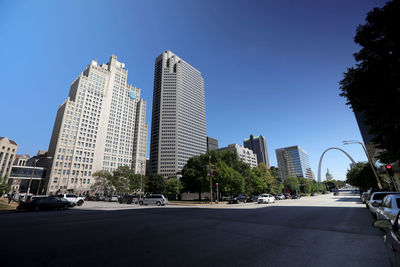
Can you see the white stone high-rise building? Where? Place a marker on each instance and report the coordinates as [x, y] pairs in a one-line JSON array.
[[178, 125], [101, 126], [245, 154]]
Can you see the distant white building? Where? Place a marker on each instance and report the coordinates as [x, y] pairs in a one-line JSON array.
[[245, 154]]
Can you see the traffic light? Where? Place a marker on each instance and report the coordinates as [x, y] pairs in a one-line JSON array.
[[389, 170]]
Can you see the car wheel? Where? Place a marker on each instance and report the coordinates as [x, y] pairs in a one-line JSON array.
[[80, 202], [36, 208], [140, 202], [158, 203], [244, 202]]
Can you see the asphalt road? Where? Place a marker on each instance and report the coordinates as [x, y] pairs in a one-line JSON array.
[[319, 231]]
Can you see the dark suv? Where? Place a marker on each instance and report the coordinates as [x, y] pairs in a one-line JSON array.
[[129, 199], [238, 199]]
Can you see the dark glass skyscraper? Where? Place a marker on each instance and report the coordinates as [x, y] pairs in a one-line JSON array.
[[293, 162], [259, 146]]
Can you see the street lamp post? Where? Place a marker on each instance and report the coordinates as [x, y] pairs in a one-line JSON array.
[[369, 159]]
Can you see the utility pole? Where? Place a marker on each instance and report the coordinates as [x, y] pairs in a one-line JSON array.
[[217, 193]]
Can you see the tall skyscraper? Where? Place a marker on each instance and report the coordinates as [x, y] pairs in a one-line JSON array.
[[100, 126], [293, 162], [259, 146], [178, 124]]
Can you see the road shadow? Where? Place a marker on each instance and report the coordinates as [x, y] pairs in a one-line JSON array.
[[349, 199], [193, 237]]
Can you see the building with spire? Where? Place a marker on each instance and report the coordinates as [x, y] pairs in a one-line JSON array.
[[101, 126]]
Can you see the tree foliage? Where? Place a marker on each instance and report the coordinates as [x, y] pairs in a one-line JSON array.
[[372, 86], [122, 181], [156, 184], [362, 176], [173, 187], [232, 175]]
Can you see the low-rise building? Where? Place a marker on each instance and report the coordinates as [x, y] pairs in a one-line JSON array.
[[8, 150]]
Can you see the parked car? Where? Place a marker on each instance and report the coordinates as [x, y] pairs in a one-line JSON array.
[[113, 198], [296, 196], [45, 203], [391, 238], [73, 198], [314, 194], [128, 199], [279, 197], [389, 208], [336, 193], [100, 198], [288, 196], [375, 201], [266, 198], [252, 199], [154, 199], [237, 199]]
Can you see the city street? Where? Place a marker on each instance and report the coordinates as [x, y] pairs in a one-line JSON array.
[[325, 230]]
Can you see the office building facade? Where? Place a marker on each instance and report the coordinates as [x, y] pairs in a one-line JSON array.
[[293, 162], [8, 150], [212, 144], [245, 154], [259, 146], [101, 126], [178, 125]]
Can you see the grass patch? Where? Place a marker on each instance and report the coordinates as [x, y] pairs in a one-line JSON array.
[[6, 207]]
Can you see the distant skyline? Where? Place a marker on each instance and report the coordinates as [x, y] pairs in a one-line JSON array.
[[269, 67]]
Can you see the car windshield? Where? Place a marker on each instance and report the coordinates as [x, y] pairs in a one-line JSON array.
[[380, 196]]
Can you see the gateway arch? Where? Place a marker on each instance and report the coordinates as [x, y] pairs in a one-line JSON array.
[[322, 156]]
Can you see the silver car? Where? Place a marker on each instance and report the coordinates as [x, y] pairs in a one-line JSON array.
[[389, 208], [154, 199], [376, 200]]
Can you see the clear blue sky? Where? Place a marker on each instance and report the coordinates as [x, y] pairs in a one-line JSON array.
[[270, 67]]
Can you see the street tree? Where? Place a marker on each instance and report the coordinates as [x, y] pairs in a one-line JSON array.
[[102, 183], [292, 184], [122, 178], [362, 176], [372, 86], [230, 181], [194, 175], [156, 184], [173, 187]]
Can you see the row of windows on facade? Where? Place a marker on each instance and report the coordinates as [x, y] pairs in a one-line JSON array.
[[73, 180], [73, 172]]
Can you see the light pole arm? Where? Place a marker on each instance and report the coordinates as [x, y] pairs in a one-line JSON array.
[[372, 166]]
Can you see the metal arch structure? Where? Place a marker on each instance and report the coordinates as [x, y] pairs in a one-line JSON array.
[[320, 160]]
